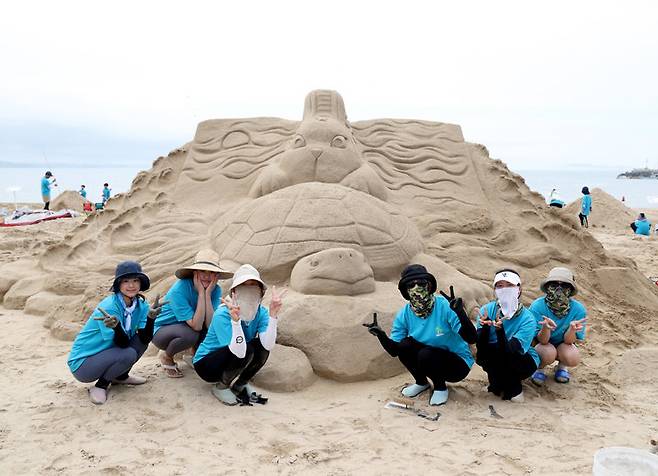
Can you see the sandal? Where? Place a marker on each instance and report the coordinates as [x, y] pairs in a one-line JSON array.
[[562, 375], [538, 378], [172, 371]]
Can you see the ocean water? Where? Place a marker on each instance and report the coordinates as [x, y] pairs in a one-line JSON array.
[[637, 193]]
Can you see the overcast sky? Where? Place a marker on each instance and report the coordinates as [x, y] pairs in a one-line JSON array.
[[550, 84]]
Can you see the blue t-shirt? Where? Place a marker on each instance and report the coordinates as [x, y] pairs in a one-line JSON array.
[[106, 193], [45, 186], [83, 193], [182, 303], [586, 204], [219, 334], [523, 327], [643, 227], [96, 337], [440, 329], [576, 311]]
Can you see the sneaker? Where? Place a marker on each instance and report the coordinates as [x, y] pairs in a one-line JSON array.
[[97, 395], [131, 380], [538, 378], [439, 397], [414, 390], [224, 394], [518, 398]]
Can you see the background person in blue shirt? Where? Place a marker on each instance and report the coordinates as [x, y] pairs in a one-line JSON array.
[[83, 192], [430, 335], [241, 335], [115, 335], [191, 303], [505, 352], [106, 192], [585, 207], [641, 226], [562, 322], [46, 182]]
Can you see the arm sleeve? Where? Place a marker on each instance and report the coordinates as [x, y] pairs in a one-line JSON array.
[[467, 330], [505, 346], [268, 338], [146, 334], [238, 345], [120, 337]]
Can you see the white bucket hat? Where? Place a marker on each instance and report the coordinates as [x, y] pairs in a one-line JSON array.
[[245, 273], [205, 260], [560, 275]]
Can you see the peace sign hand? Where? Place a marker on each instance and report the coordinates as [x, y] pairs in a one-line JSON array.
[[373, 327], [109, 320], [233, 309], [484, 319], [456, 304], [156, 307], [276, 302], [577, 325], [548, 323]]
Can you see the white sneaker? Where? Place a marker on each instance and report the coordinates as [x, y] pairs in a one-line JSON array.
[[518, 398], [414, 390], [439, 397], [224, 394]]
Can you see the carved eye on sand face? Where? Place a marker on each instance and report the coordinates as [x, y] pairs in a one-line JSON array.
[[298, 141], [339, 142]]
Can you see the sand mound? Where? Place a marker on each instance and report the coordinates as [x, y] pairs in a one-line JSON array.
[[607, 211], [68, 199], [273, 192]]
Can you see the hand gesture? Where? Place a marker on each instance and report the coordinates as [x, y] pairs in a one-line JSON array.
[[456, 304], [233, 309], [276, 301], [548, 323], [156, 307], [577, 325], [484, 319], [109, 320], [197, 282], [373, 327], [213, 283]]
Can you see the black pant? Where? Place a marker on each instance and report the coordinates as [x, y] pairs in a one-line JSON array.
[[505, 369], [633, 227], [583, 220], [223, 366], [425, 361], [46, 206]]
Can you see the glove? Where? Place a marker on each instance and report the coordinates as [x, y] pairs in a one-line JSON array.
[[389, 345], [456, 304], [373, 327]]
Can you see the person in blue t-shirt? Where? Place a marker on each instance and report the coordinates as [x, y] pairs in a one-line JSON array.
[[83, 192], [191, 303], [641, 226], [106, 192], [116, 334], [505, 352], [585, 207], [430, 335], [562, 322], [239, 340], [46, 181]]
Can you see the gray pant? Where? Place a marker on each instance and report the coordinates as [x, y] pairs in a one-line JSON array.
[[110, 363], [175, 338]]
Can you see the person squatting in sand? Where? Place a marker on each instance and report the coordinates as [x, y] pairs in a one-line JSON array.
[[191, 303], [430, 335], [505, 352], [641, 226], [585, 207], [562, 322], [115, 335], [240, 337]]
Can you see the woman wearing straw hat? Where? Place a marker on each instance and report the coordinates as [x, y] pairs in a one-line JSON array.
[[240, 337], [505, 352], [191, 303], [430, 335], [116, 334], [562, 322]]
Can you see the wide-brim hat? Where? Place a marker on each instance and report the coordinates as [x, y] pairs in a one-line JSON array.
[[205, 260], [413, 272], [560, 275], [127, 269], [244, 273]]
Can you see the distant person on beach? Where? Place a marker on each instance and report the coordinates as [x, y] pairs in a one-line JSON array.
[[191, 303], [106, 192], [115, 335], [47, 181], [83, 192], [585, 207], [430, 335], [554, 199], [505, 332], [641, 226], [239, 340], [562, 322]]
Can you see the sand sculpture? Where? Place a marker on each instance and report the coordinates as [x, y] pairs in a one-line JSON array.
[[331, 208]]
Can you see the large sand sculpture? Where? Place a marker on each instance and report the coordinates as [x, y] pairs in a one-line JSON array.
[[334, 210]]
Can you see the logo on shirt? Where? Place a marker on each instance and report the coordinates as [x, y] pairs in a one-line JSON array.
[[239, 340], [439, 331]]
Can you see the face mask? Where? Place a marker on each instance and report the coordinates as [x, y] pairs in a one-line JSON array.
[[557, 299], [508, 300], [248, 298], [421, 300]]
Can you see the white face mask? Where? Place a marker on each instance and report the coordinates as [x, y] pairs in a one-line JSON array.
[[508, 300], [248, 298]]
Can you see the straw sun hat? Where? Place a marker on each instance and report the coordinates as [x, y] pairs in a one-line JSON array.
[[205, 260]]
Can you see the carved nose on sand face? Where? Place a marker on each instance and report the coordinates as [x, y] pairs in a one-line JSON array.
[[316, 152]]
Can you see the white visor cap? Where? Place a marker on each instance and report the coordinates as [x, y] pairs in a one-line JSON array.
[[509, 276]]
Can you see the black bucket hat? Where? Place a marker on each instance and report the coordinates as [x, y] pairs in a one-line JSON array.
[[585, 190], [414, 272], [130, 269]]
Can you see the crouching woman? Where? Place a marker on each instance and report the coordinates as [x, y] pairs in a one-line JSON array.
[[115, 335], [430, 335]]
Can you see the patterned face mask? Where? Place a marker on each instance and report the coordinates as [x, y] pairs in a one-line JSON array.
[[420, 299], [557, 298]]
